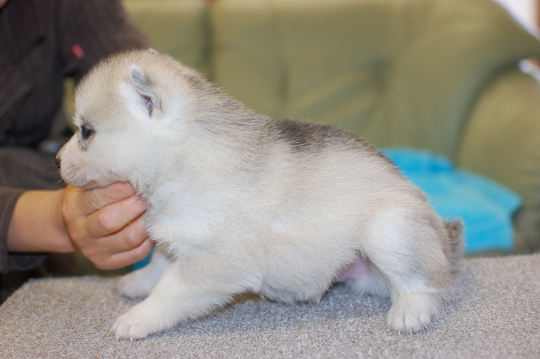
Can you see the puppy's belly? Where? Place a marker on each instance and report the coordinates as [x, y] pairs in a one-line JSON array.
[[358, 270]]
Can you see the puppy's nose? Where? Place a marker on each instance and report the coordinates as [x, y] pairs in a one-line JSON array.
[[58, 162]]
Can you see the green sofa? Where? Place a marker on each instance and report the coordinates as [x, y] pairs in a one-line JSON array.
[[441, 75]]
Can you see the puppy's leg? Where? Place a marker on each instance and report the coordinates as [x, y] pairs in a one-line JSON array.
[[139, 283], [174, 299], [406, 249]]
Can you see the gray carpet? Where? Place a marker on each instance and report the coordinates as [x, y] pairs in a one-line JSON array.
[[494, 314]]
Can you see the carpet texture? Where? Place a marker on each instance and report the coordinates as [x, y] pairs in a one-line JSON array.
[[495, 313]]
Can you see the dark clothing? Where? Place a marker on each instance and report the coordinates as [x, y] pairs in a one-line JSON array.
[[41, 43]]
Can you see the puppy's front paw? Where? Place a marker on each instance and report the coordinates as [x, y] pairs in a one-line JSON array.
[[136, 324], [134, 285], [412, 312], [140, 283]]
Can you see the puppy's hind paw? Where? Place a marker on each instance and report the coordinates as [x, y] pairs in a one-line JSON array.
[[412, 312]]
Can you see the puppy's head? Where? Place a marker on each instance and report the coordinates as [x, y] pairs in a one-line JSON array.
[[130, 110]]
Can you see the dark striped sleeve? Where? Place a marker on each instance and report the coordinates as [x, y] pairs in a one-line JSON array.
[[13, 261], [94, 30], [84, 32]]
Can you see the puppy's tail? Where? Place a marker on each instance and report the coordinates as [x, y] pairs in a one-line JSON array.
[[454, 249]]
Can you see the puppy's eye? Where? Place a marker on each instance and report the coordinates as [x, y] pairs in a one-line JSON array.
[[86, 132]]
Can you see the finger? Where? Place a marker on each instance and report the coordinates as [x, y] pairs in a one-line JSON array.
[[93, 200], [123, 259], [114, 217], [132, 236]]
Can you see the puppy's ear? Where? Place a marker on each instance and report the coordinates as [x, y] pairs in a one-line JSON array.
[[142, 84]]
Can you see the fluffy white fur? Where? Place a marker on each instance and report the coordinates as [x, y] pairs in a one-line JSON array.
[[244, 203]]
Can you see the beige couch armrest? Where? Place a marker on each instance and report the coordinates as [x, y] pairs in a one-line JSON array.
[[502, 141]]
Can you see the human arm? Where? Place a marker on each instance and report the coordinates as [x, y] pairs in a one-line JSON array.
[[105, 224]]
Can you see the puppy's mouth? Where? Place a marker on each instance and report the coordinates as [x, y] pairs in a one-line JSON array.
[[73, 177], [82, 183], [92, 184]]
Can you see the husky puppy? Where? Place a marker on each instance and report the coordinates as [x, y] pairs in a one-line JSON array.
[[240, 202]]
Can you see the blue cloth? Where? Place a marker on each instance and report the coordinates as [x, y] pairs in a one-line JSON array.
[[485, 207], [144, 262]]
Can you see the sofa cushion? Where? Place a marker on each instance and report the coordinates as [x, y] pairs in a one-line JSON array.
[[397, 72], [175, 27]]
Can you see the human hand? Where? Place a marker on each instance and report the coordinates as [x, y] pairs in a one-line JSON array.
[[106, 224]]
